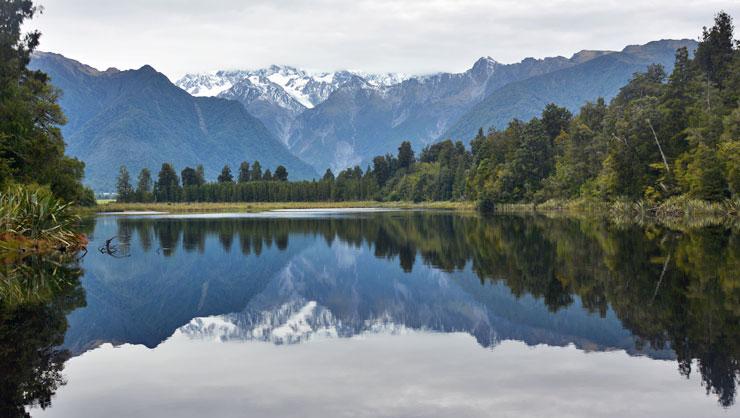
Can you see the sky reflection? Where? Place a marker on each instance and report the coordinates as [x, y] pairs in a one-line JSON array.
[[407, 374]]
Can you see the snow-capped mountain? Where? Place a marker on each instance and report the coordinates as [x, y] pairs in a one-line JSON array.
[[340, 119], [299, 305], [278, 94], [210, 84], [383, 79], [307, 88]]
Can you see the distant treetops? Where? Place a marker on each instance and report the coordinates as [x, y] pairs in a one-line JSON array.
[[170, 188]]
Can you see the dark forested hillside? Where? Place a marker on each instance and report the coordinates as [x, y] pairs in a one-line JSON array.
[[139, 118]]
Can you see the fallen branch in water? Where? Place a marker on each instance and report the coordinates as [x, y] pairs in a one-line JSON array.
[[112, 250]]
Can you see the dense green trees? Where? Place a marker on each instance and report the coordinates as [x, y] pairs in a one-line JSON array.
[[31, 143], [661, 136], [167, 188], [256, 171], [405, 155], [123, 186], [225, 176], [189, 177], [281, 173], [717, 50], [144, 186], [191, 186], [512, 164], [244, 174]]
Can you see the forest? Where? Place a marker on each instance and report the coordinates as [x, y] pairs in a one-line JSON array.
[[664, 137]]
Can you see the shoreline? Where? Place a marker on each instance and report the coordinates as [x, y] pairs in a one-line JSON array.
[[191, 207], [675, 215]]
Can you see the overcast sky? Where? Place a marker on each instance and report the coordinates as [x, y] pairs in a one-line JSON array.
[[412, 36]]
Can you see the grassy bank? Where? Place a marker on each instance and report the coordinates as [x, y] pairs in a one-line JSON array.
[[672, 208], [263, 206], [33, 221], [677, 212]]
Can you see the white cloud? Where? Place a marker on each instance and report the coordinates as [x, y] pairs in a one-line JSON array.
[[413, 36]]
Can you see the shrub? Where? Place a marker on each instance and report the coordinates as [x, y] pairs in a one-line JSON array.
[[31, 218], [486, 205]]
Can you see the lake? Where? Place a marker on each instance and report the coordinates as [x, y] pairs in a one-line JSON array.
[[376, 314]]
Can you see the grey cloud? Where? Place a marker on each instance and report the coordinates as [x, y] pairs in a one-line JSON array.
[[413, 36]]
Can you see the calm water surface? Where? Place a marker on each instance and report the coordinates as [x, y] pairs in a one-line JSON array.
[[370, 314]]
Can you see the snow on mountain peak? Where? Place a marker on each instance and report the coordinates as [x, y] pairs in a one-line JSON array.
[[305, 87], [486, 64], [207, 84]]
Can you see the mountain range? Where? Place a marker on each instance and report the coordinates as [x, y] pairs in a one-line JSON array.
[[310, 121], [361, 117], [138, 118], [278, 94]]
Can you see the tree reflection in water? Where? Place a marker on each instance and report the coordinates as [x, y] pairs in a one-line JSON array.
[[35, 297], [672, 288]]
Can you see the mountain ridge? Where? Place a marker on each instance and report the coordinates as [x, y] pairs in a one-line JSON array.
[[331, 120], [352, 126], [138, 118], [601, 76]]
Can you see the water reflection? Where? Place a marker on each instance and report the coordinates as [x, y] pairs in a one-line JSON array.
[[35, 297], [675, 291], [648, 290]]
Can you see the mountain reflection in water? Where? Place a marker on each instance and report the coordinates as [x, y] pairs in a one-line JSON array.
[[648, 290]]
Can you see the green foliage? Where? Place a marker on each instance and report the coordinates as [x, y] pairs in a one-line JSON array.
[[729, 154], [701, 174], [244, 173], [328, 176], [512, 164], [281, 173], [486, 204], [555, 120], [31, 143], [31, 216], [189, 177], [716, 49], [123, 186], [144, 186], [405, 155], [167, 188], [256, 171], [225, 176], [661, 136]]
